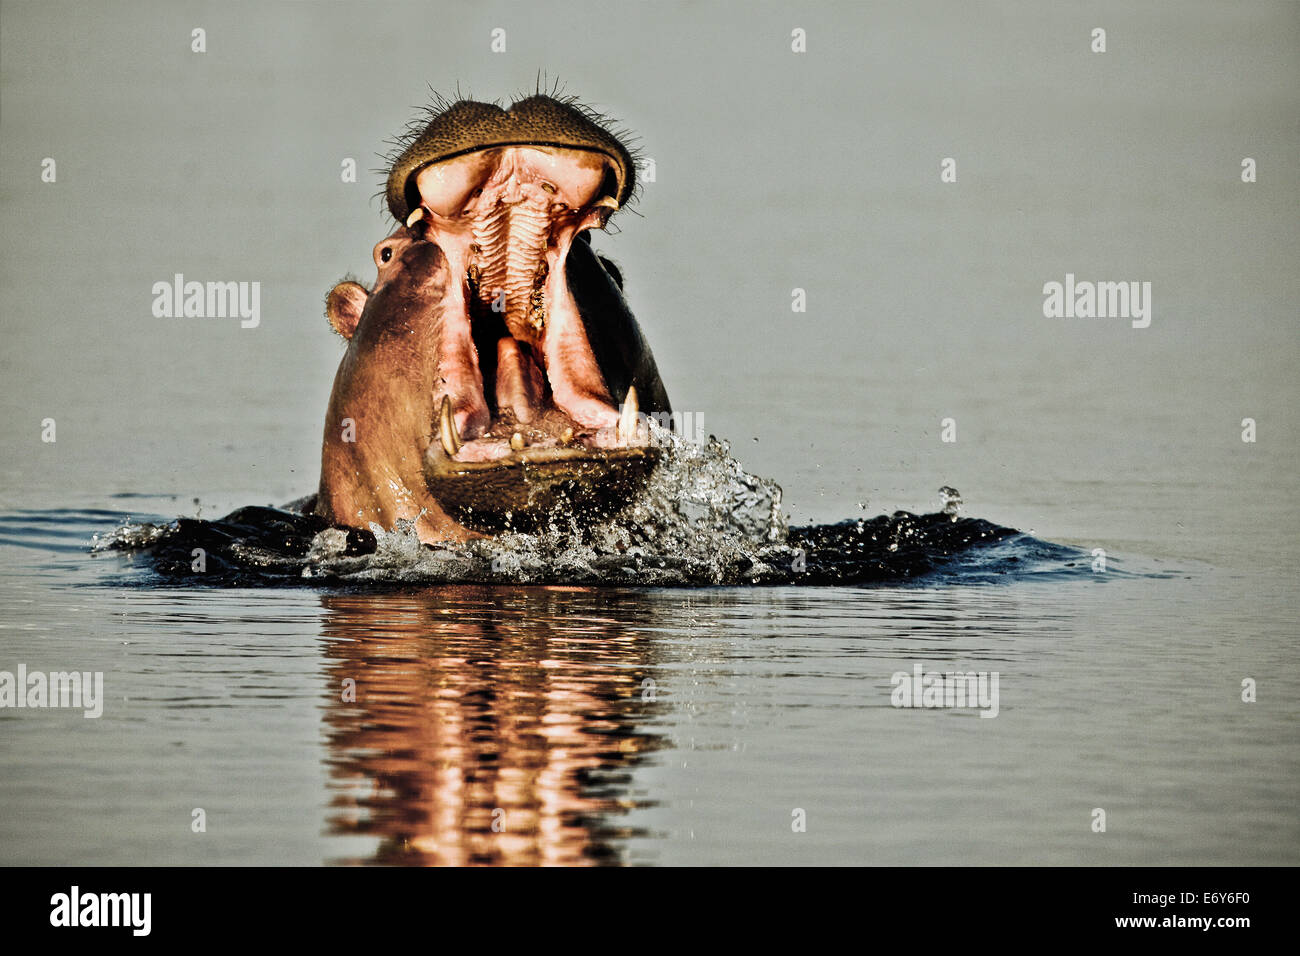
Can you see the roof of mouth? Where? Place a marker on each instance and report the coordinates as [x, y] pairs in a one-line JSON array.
[[448, 129]]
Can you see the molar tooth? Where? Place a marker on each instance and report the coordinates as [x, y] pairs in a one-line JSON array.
[[447, 428], [517, 442], [627, 417], [537, 310]]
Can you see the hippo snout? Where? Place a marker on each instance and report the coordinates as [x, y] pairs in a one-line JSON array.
[[494, 373]]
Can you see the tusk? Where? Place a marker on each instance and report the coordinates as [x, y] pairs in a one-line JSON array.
[[416, 215], [447, 428], [606, 202], [627, 417]]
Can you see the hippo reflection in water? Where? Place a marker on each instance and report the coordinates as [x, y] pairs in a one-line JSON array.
[[494, 372]]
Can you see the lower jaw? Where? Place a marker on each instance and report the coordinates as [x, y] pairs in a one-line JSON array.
[[529, 423], [527, 490], [519, 476], [541, 437]]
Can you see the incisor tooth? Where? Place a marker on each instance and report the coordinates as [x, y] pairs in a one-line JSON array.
[[627, 417], [517, 441], [447, 428]]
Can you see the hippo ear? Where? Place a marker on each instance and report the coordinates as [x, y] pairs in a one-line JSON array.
[[343, 307]]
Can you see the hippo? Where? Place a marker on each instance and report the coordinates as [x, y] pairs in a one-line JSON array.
[[494, 375]]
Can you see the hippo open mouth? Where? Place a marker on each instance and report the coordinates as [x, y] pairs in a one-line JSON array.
[[536, 371]]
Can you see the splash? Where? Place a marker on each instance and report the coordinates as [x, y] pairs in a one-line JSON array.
[[700, 520]]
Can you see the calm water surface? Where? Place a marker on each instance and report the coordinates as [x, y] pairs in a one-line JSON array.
[[638, 725]]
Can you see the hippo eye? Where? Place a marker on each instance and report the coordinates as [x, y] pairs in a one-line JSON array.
[[386, 253]]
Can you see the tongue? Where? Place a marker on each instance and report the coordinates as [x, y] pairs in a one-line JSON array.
[[520, 385]]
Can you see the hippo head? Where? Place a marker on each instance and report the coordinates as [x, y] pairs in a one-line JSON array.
[[493, 371]]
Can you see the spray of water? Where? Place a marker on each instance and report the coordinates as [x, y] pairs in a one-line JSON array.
[[701, 519]]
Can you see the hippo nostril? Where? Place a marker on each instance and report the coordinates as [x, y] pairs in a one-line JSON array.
[[386, 254]]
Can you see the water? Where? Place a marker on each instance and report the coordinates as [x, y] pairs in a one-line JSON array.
[[571, 723], [700, 519], [594, 704]]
